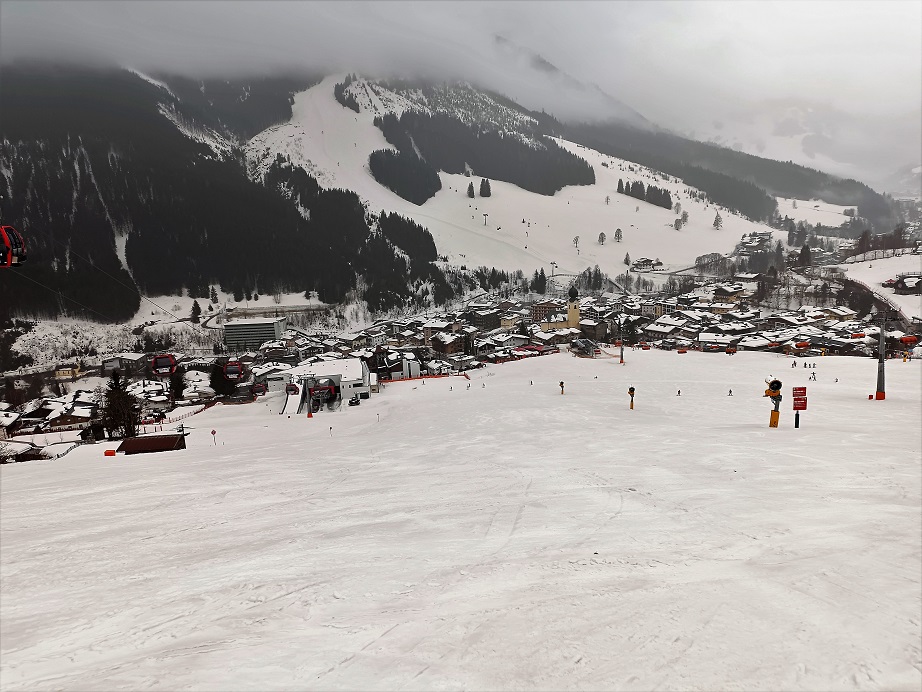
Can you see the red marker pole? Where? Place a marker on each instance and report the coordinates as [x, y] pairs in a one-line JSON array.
[[213, 433]]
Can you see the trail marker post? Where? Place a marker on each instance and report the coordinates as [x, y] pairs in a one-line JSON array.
[[630, 391], [213, 433], [800, 403]]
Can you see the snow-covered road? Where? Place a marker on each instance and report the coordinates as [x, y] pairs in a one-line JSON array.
[[500, 536]]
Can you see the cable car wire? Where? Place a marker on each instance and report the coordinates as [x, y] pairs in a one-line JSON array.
[[61, 295], [131, 288]]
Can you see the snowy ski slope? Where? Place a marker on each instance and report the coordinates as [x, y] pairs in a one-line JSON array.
[[333, 144], [497, 537]]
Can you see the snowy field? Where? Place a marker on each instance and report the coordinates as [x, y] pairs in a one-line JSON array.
[[813, 211], [497, 537]]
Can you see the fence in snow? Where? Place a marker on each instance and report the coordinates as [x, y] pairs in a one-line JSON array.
[[879, 254]]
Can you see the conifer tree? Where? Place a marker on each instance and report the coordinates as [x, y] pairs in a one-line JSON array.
[[602, 238], [718, 222], [121, 411], [484, 188], [620, 186], [617, 235], [214, 295], [470, 190], [196, 312], [627, 258]]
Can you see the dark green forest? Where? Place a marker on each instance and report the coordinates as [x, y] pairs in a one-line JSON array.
[[449, 145], [735, 180]]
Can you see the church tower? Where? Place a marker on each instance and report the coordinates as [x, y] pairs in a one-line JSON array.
[[573, 308]]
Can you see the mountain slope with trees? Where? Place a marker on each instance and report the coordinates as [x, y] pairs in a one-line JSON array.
[[731, 178], [105, 175]]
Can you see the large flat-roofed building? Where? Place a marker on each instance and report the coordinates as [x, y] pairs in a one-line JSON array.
[[249, 334]]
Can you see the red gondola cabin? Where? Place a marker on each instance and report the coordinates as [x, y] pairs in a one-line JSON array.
[[163, 365], [233, 370], [12, 247]]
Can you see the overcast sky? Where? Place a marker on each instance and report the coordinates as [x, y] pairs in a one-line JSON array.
[[674, 62]]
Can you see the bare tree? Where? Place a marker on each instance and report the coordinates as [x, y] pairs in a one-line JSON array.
[[576, 241]]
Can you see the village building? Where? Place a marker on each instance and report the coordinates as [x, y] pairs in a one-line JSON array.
[[543, 308], [128, 364], [436, 326], [447, 343], [250, 333]]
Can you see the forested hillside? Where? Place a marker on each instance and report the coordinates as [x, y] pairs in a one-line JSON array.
[[114, 198], [447, 144], [731, 178]]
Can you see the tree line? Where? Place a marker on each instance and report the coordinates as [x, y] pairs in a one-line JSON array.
[[650, 194], [404, 174], [344, 99], [450, 145], [738, 181]]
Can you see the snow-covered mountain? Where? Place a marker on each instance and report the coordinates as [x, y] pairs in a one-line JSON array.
[[173, 186], [522, 230]]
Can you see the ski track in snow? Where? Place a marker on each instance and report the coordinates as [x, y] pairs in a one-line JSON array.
[[497, 537]]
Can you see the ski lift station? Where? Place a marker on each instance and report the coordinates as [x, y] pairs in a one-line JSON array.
[[350, 376], [248, 334]]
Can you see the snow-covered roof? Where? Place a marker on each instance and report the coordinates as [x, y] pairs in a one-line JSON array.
[[7, 418], [347, 368]]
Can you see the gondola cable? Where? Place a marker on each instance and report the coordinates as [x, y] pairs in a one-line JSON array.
[[61, 295], [131, 288]]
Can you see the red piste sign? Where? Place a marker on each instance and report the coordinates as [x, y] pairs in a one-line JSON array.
[[800, 403], [800, 392]]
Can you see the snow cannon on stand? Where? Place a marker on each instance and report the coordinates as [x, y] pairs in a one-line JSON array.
[[774, 393], [630, 392]]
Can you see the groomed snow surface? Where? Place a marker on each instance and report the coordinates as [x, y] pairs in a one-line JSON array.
[[498, 537]]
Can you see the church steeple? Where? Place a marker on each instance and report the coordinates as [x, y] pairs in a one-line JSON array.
[[573, 308]]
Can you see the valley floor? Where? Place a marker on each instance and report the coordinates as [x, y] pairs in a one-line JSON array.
[[502, 536]]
